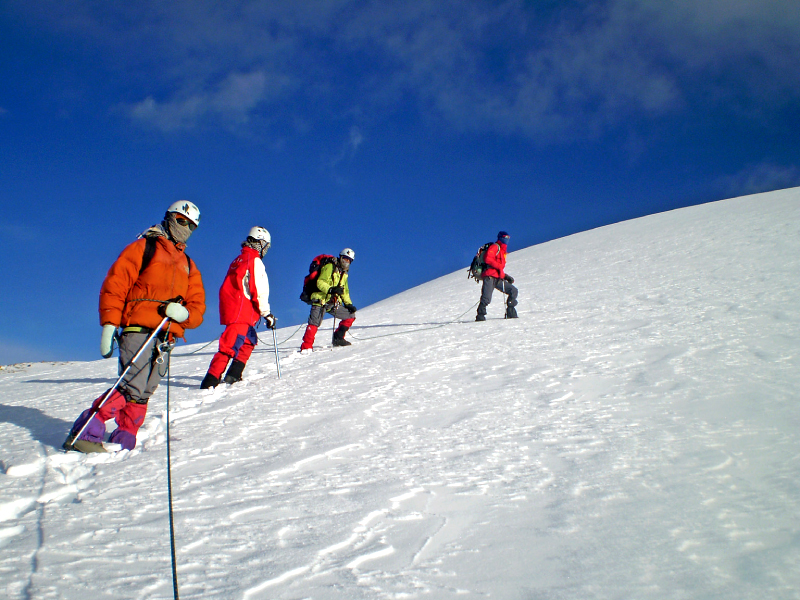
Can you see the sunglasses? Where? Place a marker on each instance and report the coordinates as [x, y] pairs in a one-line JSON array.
[[186, 223]]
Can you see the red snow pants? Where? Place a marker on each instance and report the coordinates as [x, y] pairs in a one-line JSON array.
[[237, 343]]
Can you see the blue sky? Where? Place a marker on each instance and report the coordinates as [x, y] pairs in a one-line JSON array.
[[411, 132]]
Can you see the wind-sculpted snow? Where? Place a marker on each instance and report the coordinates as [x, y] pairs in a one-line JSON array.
[[634, 434]]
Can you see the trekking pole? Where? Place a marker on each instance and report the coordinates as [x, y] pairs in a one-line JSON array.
[[277, 358], [335, 306], [125, 372]]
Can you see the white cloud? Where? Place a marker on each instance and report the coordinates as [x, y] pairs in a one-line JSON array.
[[232, 101], [356, 138], [764, 177], [537, 69]]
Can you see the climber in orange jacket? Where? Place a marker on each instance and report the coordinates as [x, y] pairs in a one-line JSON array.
[[153, 278]]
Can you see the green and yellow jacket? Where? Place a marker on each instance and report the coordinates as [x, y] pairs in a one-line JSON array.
[[330, 277]]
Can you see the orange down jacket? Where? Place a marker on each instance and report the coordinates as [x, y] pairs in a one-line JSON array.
[[130, 298]]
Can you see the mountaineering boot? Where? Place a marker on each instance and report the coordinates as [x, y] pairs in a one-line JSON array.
[[511, 313], [209, 382], [338, 337], [481, 316], [88, 447], [234, 373], [67, 445]]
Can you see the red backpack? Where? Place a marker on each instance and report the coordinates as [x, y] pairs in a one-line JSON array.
[[310, 280]]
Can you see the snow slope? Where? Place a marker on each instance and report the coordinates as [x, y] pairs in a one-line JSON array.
[[634, 434]]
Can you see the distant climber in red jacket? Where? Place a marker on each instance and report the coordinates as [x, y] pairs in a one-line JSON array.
[[494, 277]]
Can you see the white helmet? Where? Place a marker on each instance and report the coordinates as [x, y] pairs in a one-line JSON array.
[[347, 252], [259, 233], [187, 209]]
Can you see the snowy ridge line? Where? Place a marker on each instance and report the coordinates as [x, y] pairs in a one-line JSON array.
[[632, 435]]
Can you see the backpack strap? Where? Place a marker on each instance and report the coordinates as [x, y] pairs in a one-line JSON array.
[[149, 252]]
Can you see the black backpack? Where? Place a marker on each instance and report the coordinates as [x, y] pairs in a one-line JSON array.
[[478, 265], [310, 280]]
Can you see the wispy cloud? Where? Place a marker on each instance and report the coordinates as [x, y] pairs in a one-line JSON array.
[[15, 233], [347, 152], [536, 69], [764, 177], [233, 101]]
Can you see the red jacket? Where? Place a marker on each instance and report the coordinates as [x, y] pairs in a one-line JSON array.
[[244, 295], [132, 298], [495, 259]]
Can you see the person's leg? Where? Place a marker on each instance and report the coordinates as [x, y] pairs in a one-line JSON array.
[[129, 420], [215, 370], [143, 377], [249, 340], [346, 321], [511, 301], [486, 297], [219, 362], [314, 321], [137, 386], [245, 342], [96, 429]]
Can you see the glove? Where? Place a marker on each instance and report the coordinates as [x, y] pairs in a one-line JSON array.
[[176, 312], [350, 307], [270, 320], [336, 290], [107, 340], [509, 279]]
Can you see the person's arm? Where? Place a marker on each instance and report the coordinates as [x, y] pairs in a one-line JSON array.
[[119, 281], [261, 282]]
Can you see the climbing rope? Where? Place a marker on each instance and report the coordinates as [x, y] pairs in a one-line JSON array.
[[437, 326], [169, 493], [355, 337]]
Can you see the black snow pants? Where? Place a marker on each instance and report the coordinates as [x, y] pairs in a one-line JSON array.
[[489, 285]]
